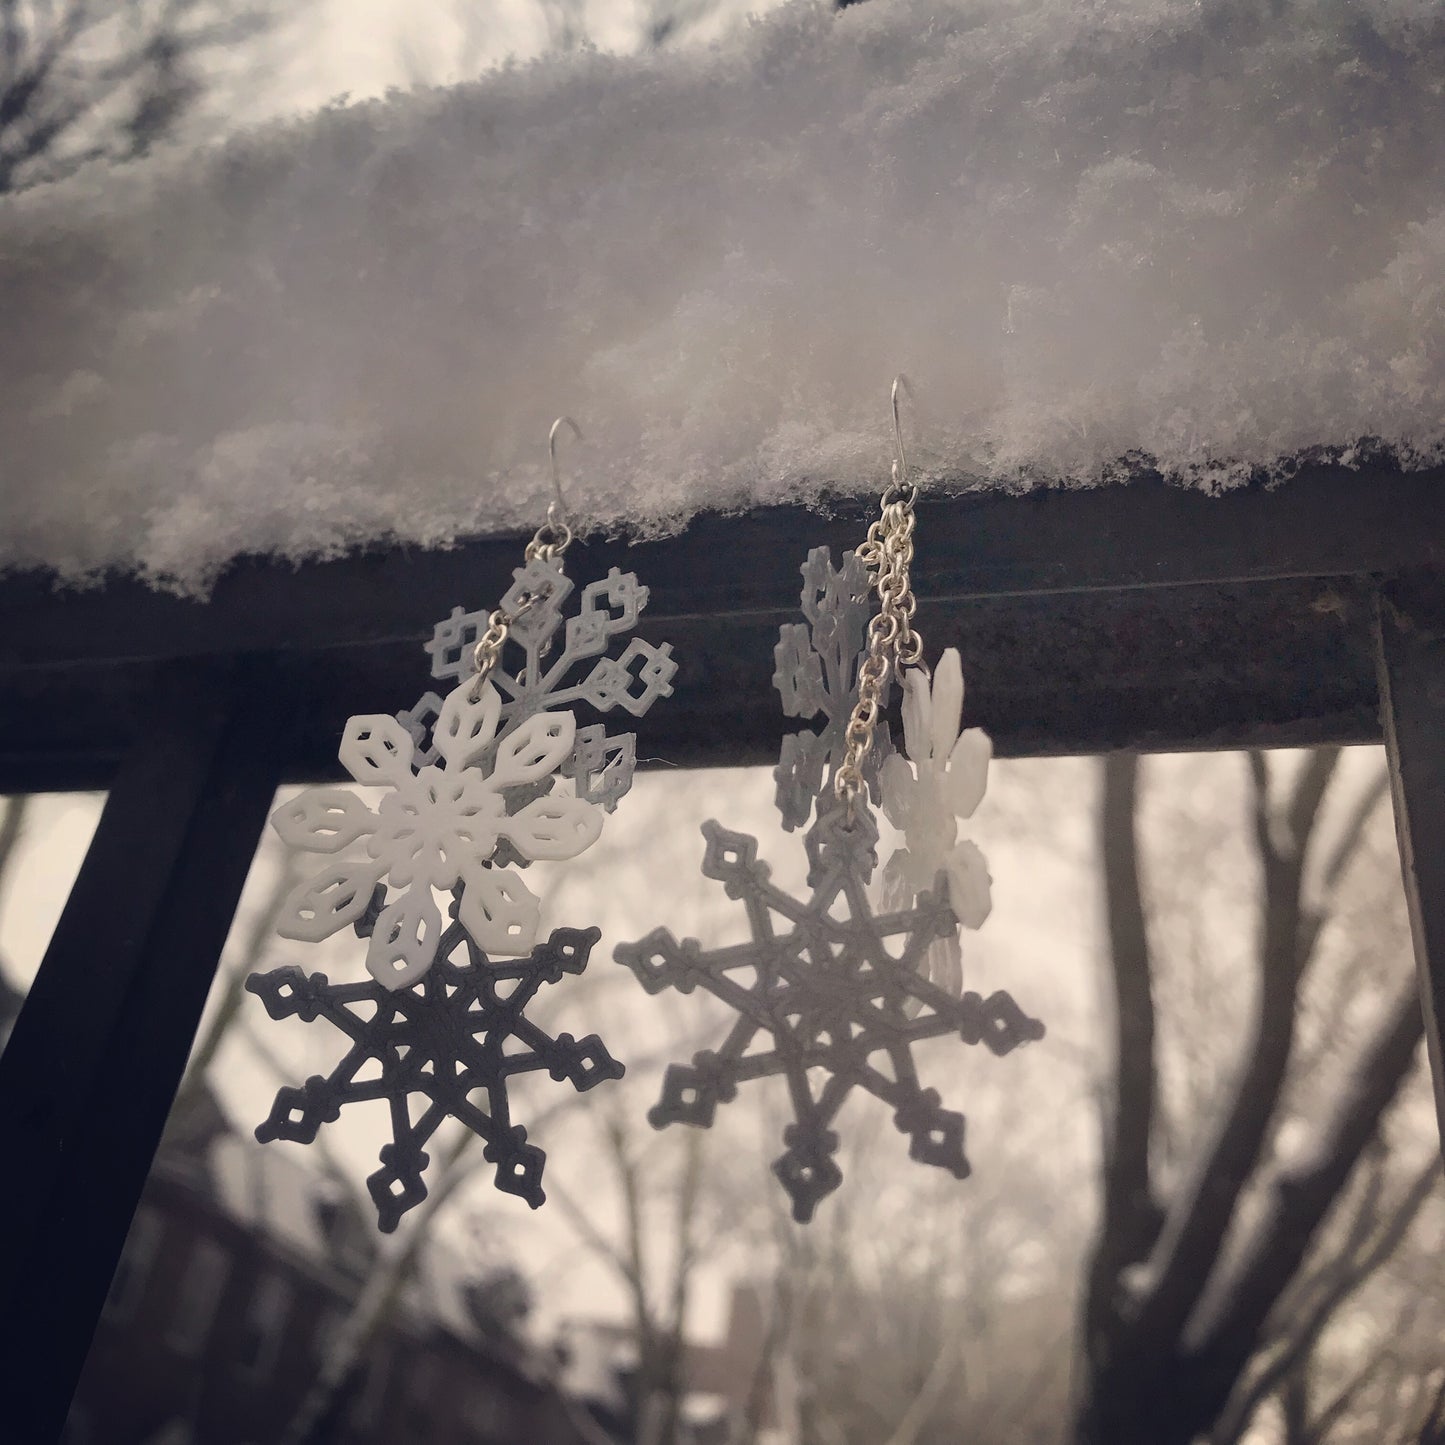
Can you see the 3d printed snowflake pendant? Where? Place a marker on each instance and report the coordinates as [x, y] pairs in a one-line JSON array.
[[941, 781], [816, 673], [439, 826], [442, 1039], [601, 765], [833, 995], [480, 782]]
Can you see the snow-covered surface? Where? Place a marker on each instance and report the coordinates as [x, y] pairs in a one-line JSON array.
[[1212, 233]]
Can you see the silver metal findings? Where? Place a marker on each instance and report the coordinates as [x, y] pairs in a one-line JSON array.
[[892, 642]]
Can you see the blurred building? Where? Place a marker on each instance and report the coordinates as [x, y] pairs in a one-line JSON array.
[[235, 1279], [726, 1382]]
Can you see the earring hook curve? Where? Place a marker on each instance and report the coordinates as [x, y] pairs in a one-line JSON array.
[[557, 508], [900, 461]]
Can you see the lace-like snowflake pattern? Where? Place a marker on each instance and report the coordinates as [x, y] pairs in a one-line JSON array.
[[602, 765], [830, 982], [437, 827], [817, 672], [441, 1040]]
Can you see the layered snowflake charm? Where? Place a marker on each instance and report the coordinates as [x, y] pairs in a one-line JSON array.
[[463, 1029], [942, 781], [817, 672], [600, 765], [438, 827], [833, 995]]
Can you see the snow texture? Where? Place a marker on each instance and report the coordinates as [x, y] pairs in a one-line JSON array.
[[1208, 234]]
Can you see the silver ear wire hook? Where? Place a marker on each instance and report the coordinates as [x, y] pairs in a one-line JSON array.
[[893, 644], [554, 536], [557, 508], [552, 539], [900, 461]]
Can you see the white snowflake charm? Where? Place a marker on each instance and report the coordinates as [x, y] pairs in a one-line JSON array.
[[942, 780], [438, 827]]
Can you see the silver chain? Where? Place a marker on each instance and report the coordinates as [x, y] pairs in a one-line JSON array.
[[488, 651], [550, 541], [552, 538], [892, 642]]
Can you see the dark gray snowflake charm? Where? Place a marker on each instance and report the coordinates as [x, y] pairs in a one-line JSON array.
[[832, 994], [817, 672], [551, 678], [443, 1039]]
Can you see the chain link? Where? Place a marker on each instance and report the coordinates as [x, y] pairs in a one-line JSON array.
[[552, 538], [548, 543], [488, 651], [892, 642]]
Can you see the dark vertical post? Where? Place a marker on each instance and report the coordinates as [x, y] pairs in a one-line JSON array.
[[1411, 655], [98, 1050]]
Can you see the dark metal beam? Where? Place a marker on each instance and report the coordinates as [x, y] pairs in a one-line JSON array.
[[89, 1073], [1137, 615], [1328, 521], [1268, 664], [1411, 650]]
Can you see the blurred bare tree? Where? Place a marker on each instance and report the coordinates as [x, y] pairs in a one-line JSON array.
[[1232, 1233], [673, 1214], [477, 31], [84, 80], [917, 1309]]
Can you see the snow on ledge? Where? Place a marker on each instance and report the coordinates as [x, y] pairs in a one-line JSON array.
[[1212, 233]]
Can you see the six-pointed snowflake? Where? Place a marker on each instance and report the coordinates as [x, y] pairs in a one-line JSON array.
[[442, 1040], [817, 672], [600, 765], [438, 826], [832, 994]]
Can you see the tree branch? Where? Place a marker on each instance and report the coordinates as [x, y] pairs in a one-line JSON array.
[[1351, 834], [1294, 1399], [96, 80], [233, 991], [668, 1373], [1130, 1218], [1299, 1298], [1336, 1282], [1300, 1200], [1190, 1246], [1432, 1427], [1326, 1420], [593, 1237], [1309, 793]]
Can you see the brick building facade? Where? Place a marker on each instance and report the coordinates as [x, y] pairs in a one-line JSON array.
[[237, 1273]]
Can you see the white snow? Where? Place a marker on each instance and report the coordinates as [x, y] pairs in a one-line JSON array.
[[1211, 233]]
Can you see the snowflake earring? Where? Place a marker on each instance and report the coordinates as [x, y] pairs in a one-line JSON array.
[[842, 989], [941, 781], [478, 783]]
